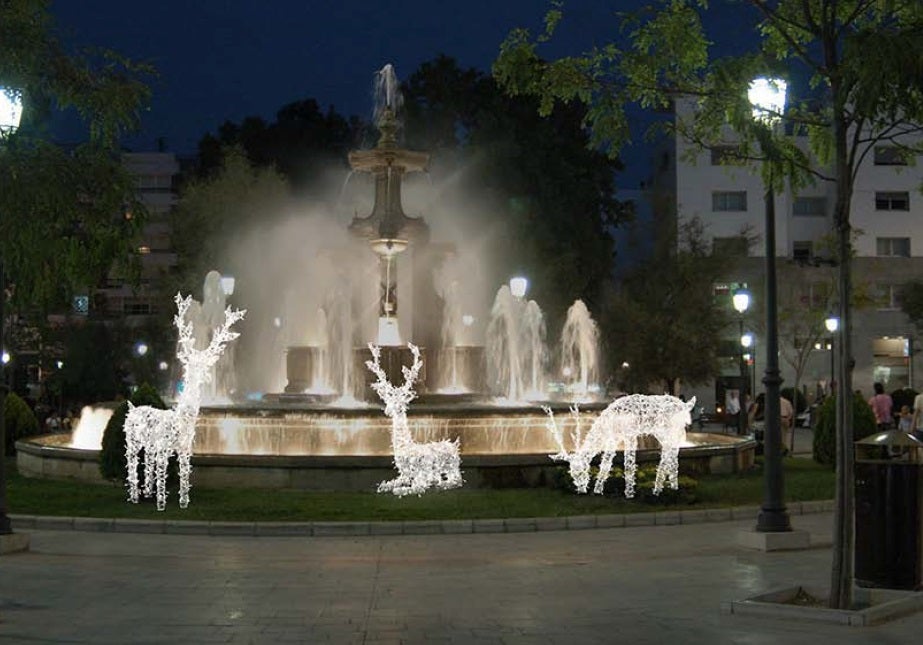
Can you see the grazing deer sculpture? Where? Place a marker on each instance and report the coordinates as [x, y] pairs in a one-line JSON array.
[[420, 466], [163, 433], [619, 427]]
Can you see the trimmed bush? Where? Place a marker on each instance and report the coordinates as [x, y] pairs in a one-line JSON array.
[[825, 429], [19, 421], [112, 462]]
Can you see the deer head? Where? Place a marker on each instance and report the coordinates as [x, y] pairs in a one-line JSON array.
[[396, 399], [578, 460], [197, 362]]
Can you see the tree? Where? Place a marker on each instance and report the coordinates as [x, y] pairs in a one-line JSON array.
[[302, 143], [217, 208], [864, 62], [555, 196], [666, 323], [61, 212]]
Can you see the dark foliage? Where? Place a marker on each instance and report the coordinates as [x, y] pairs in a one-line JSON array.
[[112, 463]]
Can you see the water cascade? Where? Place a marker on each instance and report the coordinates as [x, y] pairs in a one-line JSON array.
[[579, 352]]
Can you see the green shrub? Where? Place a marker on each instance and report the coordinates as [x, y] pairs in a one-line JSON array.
[[112, 462], [825, 428], [644, 485], [18, 420], [789, 393]]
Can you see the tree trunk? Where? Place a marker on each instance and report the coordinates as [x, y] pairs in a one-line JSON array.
[[843, 540]]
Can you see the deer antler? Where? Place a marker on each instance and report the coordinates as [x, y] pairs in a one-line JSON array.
[[223, 334], [186, 340], [411, 373]]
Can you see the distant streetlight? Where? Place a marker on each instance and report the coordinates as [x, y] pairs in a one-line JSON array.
[[141, 348], [467, 320], [10, 116], [767, 97], [59, 364], [163, 366], [832, 323], [519, 286], [227, 285], [741, 302], [5, 357]]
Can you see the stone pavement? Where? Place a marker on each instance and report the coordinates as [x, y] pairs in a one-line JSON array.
[[644, 584]]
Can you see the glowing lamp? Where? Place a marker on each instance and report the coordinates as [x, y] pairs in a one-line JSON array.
[[227, 285], [10, 110], [741, 300], [832, 323], [519, 286], [746, 340], [141, 348], [5, 357], [767, 96]]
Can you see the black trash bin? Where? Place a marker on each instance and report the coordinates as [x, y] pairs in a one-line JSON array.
[[889, 545]]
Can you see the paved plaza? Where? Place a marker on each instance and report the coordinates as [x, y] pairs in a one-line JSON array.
[[648, 584]]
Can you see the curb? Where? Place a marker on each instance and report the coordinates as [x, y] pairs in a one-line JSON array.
[[417, 527]]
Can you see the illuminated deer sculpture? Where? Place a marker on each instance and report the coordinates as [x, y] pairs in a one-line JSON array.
[[619, 427], [420, 466], [163, 433]]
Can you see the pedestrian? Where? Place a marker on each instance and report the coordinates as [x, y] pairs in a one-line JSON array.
[[787, 414], [905, 424], [881, 406], [918, 415]]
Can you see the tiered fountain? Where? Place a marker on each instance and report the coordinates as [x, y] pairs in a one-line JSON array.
[[326, 431]]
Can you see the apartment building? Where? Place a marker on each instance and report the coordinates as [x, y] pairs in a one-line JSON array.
[[155, 174], [887, 215]]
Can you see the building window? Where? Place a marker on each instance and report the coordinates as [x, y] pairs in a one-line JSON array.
[[729, 201], [733, 246], [136, 308], [809, 207], [888, 296], [893, 247], [802, 250], [726, 155], [892, 201], [889, 156]]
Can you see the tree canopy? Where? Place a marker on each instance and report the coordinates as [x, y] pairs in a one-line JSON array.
[[61, 210]]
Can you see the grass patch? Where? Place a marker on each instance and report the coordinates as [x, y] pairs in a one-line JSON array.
[[804, 480]]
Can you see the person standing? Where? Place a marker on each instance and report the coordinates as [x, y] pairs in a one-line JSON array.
[[787, 414], [882, 407], [918, 415]]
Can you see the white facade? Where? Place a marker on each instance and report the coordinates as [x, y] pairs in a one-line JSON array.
[[887, 215]]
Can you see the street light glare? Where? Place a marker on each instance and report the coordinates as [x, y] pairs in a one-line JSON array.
[[141, 348], [741, 300], [10, 109], [832, 323], [519, 286], [746, 340], [767, 96], [5, 357]]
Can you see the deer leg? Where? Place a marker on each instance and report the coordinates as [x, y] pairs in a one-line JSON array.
[[149, 466], [185, 468], [631, 466], [605, 467], [160, 463], [131, 458]]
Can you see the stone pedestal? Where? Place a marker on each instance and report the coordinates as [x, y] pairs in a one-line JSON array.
[[392, 359], [300, 363], [778, 541], [13, 542]]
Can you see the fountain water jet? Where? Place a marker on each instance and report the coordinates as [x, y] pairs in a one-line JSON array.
[[579, 352]]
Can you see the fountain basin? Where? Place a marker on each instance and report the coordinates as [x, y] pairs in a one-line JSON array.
[[315, 448]]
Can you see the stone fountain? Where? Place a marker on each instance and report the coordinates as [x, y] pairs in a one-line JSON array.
[[325, 430]]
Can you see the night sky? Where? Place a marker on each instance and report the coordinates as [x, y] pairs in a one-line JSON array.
[[235, 58]]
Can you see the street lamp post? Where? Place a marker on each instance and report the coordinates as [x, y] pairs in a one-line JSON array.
[[832, 323], [746, 342], [10, 113], [767, 96], [741, 300]]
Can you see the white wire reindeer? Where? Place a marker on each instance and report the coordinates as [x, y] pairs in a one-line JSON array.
[[619, 427], [420, 466], [162, 433]]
